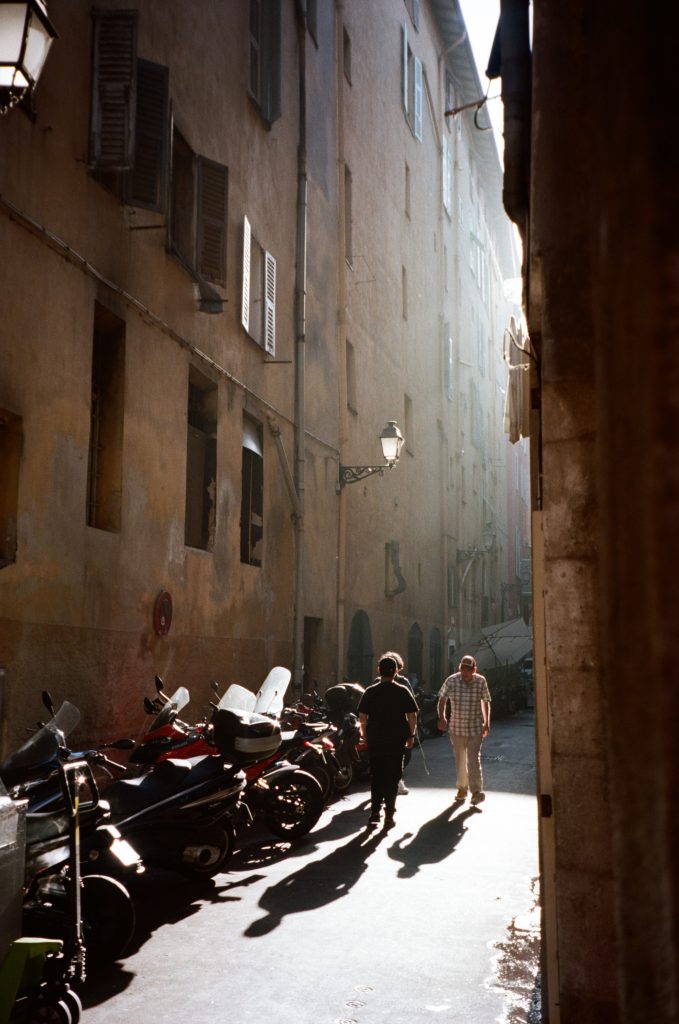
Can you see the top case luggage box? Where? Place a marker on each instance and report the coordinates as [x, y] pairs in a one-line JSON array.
[[344, 697], [244, 736]]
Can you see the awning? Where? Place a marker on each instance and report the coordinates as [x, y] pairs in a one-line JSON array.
[[505, 643]]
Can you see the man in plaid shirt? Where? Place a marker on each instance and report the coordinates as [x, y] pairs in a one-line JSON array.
[[469, 725]]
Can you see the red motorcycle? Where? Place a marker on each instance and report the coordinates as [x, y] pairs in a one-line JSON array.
[[289, 799]]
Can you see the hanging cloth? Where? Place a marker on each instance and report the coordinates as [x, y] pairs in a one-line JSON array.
[[516, 354]]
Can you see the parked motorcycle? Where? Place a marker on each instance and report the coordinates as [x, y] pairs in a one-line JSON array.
[[43, 773], [288, 799]]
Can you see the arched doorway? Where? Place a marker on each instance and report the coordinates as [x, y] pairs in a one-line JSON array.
[[414, 662], [435, 660], [360, 655]]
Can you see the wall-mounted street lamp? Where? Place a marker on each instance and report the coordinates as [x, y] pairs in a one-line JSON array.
[[26, 34], [391, 439]]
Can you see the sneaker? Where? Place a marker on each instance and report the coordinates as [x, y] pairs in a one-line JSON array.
[[374, 818], [389, 821], [461, 794], [478, 798], [402, 788]]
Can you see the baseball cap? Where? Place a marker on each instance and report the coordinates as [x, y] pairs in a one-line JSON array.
[[468, 661]]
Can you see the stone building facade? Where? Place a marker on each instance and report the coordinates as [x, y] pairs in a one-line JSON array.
[[242, 239]]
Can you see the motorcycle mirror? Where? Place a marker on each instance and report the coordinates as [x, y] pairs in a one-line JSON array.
[[159, 686], [215, 686], [148, 707], [48, 702]]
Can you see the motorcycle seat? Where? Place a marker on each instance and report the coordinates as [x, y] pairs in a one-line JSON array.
[[133, 794]]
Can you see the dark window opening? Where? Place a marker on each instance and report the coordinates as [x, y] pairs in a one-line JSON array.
[[264, 82], [11, 437], [252, 497], [201, 462], [105, 465]]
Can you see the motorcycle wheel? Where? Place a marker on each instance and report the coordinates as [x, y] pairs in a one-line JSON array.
[[50, 1013], [319, 772], [72, 1000], [107, 918], [294, 805], [217, 849], [344, 776]]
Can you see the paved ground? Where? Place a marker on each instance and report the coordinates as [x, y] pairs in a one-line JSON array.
[[434, 920]]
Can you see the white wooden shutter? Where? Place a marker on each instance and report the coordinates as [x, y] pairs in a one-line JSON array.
[[404, 70], [245, 296], [417, 118], [269, 303], [446, 162]]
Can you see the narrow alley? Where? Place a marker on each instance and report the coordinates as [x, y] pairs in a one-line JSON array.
[[433, 920]]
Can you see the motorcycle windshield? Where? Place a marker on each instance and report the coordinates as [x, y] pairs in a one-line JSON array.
[[237, 698], [269, 700], [179, 699], [43, 745]]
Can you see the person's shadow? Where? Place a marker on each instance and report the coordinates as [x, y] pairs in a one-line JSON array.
[[435, 841], [316, 884]]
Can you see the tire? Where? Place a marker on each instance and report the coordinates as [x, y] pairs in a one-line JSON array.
[[72, 1000], [50, 1013], [319, 771], [107, 918], [294, 805], [344, 776], [219, 844]]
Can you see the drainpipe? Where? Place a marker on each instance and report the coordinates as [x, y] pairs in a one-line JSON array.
[[342, 522], [300, 356]]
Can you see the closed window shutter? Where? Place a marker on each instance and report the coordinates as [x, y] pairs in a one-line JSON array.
[[114, 75], [269, 303], [147, 183], [245, 295], [446, 175], [417, 119], [271, 60], [404, 68], [212, 206]]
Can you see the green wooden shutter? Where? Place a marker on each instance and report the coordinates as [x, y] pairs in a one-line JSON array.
[[212, 208], [147, 182], [114, 77]]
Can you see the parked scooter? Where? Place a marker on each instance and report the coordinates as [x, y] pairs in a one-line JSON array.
[[288, 799], [43, 773]]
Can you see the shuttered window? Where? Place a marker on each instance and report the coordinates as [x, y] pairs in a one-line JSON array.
[[114, 79], [411, 85], [264, 80], [212, 205], [258, 292], [147, 182]]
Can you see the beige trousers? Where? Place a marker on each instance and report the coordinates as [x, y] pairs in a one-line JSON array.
[[467, 752]]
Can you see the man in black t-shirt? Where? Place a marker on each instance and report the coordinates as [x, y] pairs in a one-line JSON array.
[[387, 716]]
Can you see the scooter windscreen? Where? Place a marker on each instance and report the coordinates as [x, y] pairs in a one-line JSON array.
[[237, 698], [270, 695], [179, 699], [43, 745]]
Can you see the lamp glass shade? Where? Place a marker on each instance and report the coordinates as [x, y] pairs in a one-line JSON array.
[[392, 441], [26, 35], [37, 46], [12, 24]]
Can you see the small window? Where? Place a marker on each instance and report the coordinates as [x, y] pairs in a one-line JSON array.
[[351, 378], [448, 362], [265, 57], [105, 463], [11, 438], [346, 54], [404, 293], [348, 217], [198, 212], [408, 420], [407, 191], [449, 99], [201, 462], [252, 497], [258, 293], [411, 84], [446, 176]]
